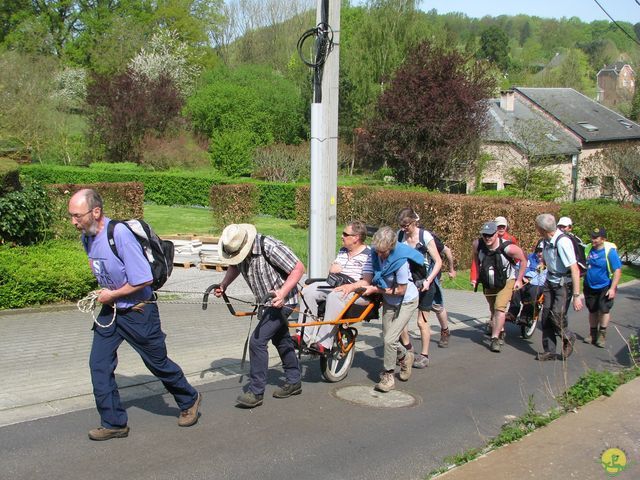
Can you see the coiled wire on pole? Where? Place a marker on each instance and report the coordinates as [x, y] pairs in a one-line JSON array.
[[323, 44]]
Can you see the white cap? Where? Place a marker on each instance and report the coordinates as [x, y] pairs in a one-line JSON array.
[[565, 222], [501, 221]]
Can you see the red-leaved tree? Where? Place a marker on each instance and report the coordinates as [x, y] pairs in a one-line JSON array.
[[124, 108], [428, 122]]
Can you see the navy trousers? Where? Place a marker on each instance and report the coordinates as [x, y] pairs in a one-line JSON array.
[[141, 330], [272, 327], [554, 320]]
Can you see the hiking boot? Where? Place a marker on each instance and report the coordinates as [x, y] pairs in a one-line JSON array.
[[502, 336], [399, 353], [601, 339], [189, 416], [567, 347], [495, 345], [421, 361], [386, 383], [406, 364], [101, 433], [593, 336], [250, 400], [444, 338], [544, 356], [288, 390], [488, 329]]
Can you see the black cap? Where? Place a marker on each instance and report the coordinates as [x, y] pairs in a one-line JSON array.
[[599, 232]]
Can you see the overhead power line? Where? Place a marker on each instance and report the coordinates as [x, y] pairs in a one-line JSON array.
[[617, 24]]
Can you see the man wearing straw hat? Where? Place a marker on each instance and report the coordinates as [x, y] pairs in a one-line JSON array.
[[269, 267]]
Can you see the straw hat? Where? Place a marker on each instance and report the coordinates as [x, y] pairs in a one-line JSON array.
[[236, 242]]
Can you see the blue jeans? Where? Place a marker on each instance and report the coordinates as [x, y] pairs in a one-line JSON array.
[[272, 326], [141, 330]]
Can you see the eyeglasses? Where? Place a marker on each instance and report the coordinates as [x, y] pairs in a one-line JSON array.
[[345, 234], [78, 216]]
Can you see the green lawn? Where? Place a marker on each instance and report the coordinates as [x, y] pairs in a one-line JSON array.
[[199, 221]]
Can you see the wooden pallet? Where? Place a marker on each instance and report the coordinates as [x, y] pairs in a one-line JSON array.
[[218, 267], [184, 264]]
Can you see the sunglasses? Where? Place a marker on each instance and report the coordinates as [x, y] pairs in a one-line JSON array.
[[488, 235], [406, 225], [345, 234]]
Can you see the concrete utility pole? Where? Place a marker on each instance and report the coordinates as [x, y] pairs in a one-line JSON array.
[[324, 150]]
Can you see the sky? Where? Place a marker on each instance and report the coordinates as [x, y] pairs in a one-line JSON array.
[[586, 10]]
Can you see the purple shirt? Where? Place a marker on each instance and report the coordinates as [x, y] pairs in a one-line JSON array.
[[110, 272]]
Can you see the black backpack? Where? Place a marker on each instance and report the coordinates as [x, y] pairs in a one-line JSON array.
[[493, 270], [578, 249], [159, 253], [423, 248], [419, 272]]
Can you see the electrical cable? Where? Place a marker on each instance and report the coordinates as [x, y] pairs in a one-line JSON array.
[[323, 44], [635, 40]]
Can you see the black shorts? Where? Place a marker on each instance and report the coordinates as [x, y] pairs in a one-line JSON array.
[[430, 297], [596, 300]]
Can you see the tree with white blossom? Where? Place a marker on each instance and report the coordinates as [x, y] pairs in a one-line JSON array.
[[167, 55]]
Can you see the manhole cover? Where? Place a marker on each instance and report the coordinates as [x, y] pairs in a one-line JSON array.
[[367, 396]]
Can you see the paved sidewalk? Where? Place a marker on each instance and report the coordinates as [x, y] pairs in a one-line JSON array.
[[44, 352], [572, 446]]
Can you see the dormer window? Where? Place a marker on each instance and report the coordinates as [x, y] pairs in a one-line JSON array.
[[588, 127]]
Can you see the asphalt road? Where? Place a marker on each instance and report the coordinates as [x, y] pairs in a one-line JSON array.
[[462, 400]]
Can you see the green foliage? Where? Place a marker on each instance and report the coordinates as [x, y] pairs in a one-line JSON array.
[[590, 386], [232, 152], [9, 176], [523, 425], [277, 200], [164, 188], [536, 183], [50, 272], [25, 215], [620, 220], [494, 46], [251, 98]]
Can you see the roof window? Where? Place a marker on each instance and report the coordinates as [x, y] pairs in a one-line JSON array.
[[588, 127], [625, 124], [551, 137]]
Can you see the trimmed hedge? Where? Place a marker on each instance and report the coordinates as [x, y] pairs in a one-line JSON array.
[[163, 188], [234, 203], [121, 201], [277, 199], [622, 222], [455, 218], [9, 176], [46, 273]]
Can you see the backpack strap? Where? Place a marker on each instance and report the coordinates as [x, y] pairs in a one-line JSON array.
[[278, 269], [110, 238]]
